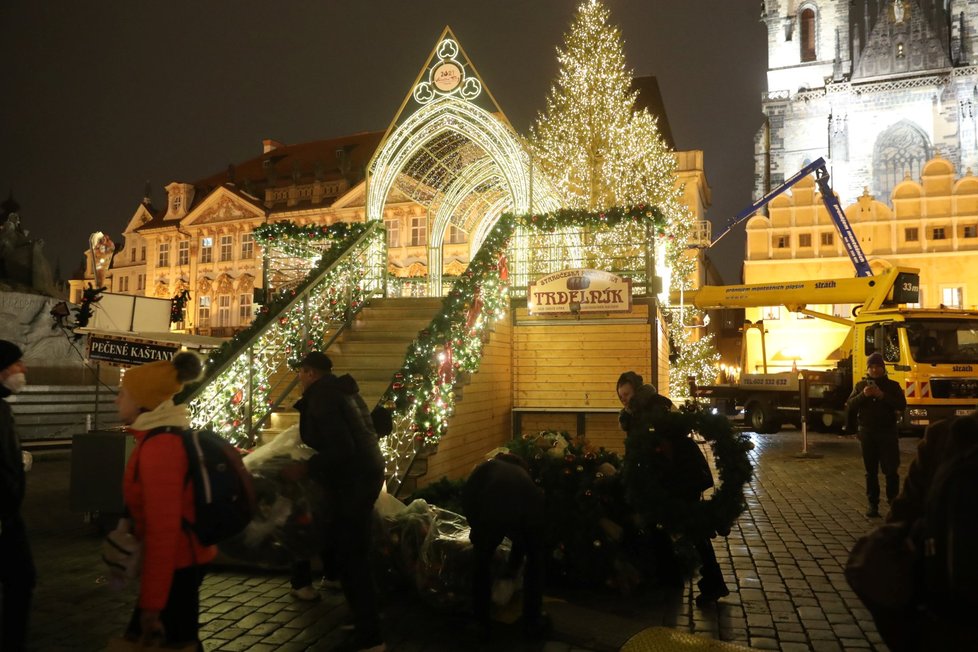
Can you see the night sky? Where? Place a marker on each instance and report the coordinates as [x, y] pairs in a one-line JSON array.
[[99, 97]]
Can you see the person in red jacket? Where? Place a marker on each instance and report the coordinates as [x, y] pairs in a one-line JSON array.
[[160, 502]]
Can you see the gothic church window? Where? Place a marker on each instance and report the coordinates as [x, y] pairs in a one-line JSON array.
[[901, 150], [807, 34]]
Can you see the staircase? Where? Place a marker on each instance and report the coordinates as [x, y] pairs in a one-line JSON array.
[[371, 349]]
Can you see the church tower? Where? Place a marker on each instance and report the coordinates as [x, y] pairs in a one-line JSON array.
[[877, 87]]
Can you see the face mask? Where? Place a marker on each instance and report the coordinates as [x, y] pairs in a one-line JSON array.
[[15, 382]]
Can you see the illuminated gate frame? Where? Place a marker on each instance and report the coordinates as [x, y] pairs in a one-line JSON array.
[[501, 177]]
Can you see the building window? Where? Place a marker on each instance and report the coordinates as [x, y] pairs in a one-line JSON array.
[[204, 312], [227, 243], [207, 250], [245, 307], [805, 240], [828, 239], [163, 259], [224, 310], [970, 231], [782, 242], [938, 233], [393, 233], [952, 297], [132, 255], [419, 231], [807, 20], [456, 235], [142, 254], [772, 313], [123, 284], [911, 234], [183, 253], [247, 246], [177, 203], [140, 282]]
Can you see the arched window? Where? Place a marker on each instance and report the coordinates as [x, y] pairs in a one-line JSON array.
[[900, 150], [808, 35]]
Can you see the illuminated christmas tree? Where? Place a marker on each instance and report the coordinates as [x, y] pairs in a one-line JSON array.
[[600, 151]]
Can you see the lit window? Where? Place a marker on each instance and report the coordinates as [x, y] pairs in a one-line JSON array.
[[245, 307], [227, 243], [911, 234], [952, 297], [183, 253], [204, 312], [828, 239], [247, 246], [207, 250], [163, 257], [456, 235], [177, 202], [938, 233], [393, 232], [224, 310], [805, 240], [419, 231]]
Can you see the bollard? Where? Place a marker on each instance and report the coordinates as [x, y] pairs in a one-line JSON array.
[[803, 410]]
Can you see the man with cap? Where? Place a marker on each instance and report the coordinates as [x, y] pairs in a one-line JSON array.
[[875, 404], [16, 563], [336, 423]]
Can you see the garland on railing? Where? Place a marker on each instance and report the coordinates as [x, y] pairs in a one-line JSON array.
[[299, 241], [225, 402], [423, 391]]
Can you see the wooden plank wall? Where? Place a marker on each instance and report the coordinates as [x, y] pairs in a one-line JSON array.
[[563, 363], [568, 364], [483, 417]]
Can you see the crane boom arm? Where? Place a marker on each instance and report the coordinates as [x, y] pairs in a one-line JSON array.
[[832, 205], [893, 286]]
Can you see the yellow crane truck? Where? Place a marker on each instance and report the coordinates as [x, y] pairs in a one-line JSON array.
[[932, 353]]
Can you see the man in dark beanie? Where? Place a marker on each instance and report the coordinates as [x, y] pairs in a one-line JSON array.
[[16, 563], [335, 421], [874, 405]]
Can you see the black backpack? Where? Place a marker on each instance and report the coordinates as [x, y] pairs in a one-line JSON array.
[[949, 530], [224, 496]]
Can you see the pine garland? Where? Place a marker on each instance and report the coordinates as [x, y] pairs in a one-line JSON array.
[[705, 518]]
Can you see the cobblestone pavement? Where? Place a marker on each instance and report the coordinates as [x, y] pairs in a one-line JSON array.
[[783, 563]]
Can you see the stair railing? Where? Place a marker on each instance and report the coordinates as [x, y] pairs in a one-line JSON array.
[[250, 376]]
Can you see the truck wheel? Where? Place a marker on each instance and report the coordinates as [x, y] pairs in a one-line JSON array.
[[763, 419]]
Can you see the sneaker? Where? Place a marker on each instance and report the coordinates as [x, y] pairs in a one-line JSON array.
[[306, 594], [873, 511]]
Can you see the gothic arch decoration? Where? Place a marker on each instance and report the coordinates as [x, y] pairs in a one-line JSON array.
[[454, 154], [900, 150]]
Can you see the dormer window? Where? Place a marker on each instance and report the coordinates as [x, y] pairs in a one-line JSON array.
[[177, 203]]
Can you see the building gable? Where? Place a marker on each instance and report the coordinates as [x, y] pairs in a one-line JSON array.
[[902, 41], [223, 206]]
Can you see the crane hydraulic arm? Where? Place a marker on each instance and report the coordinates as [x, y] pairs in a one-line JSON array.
[[832, 204], [893, 286]]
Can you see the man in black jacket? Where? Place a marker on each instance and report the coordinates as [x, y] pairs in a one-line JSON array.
[[335, 421], [875, 403], [16, 563]]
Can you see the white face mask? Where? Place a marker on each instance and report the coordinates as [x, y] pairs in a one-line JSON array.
[[15, 382]]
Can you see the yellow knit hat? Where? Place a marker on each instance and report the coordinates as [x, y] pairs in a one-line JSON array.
[[155, 382]]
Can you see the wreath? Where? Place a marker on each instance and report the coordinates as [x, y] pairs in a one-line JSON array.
[[648, 495]]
